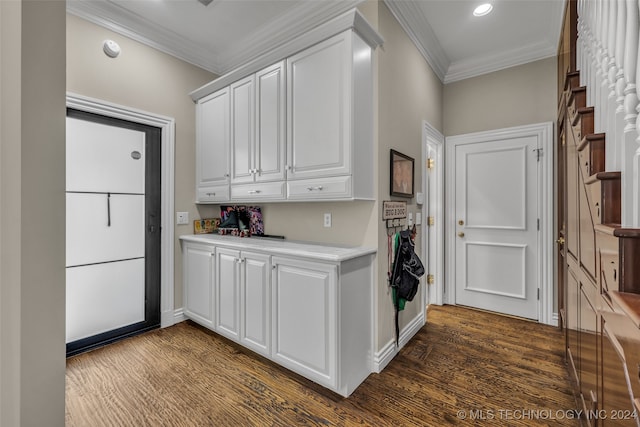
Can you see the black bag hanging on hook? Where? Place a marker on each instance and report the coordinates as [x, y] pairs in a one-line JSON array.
[[405, 279]]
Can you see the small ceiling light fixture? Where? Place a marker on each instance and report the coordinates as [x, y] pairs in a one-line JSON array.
[[111, 48], [483, 9]]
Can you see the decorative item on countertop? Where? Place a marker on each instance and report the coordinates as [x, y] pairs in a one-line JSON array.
[[205, 226], [241, 221]]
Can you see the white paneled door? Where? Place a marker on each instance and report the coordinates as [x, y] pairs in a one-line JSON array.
[[112, 229], [496, 225]]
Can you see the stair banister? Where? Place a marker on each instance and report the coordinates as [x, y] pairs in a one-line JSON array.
[[610, 117], [603, 92], [613, 152], [630, 105]]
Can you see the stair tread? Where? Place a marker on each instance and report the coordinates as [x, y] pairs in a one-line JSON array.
[[609, 229], [629, 303], [602, 176], [627, 232]]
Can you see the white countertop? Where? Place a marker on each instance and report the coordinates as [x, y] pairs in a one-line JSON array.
[[315, 251]]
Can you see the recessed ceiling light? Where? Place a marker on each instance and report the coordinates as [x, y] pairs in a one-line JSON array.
[[483, 9]]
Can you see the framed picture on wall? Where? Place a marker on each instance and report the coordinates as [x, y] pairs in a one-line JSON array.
[[401, 174]]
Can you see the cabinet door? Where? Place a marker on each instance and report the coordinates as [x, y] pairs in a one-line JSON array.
[[270, 124], [198, 268], [212, 139], [227, 293], [242, 130], [255, 302], [304, 318], [319, 109]]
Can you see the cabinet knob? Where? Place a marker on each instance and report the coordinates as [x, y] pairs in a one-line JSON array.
[[318, 188], [211, 194], [253, 191]]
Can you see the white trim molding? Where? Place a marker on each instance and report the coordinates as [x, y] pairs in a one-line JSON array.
[[433, 189], [167, 126], [382, 357], [545, 137]]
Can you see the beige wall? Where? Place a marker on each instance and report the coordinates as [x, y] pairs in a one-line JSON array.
[[145, 79], [409, 93], [515, 96], [32, 213]]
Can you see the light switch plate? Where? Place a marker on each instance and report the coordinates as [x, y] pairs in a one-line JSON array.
[[182, 218]]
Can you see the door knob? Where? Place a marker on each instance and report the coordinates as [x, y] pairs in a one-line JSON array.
[[460, 222], [560, 241], [460, 234]]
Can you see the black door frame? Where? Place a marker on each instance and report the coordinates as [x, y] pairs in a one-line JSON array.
[[153, 200]]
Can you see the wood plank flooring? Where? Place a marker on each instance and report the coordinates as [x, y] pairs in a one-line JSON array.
[[496, 370]]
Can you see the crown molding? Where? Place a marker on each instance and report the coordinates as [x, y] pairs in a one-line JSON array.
[[307, 15], [351, 19], [415, 24], [119, 20], [485, 64], [302, 18]]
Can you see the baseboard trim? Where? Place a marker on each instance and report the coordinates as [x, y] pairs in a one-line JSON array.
[[382, 357], [178, 316]]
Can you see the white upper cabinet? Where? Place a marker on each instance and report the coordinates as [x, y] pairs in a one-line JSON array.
[[270, 124], [299, 129], [258, 133], [242, 130], [319, 113], [212, 147], [330, 120]]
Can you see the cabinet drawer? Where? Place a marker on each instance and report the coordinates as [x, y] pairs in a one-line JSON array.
[[262, 191], [338, 187], [213, 194]]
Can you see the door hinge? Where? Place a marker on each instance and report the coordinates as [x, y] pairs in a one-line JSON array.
[[538, 153], [431, 221], [430, 163], [430, 279], [538, 224], [538, 294]]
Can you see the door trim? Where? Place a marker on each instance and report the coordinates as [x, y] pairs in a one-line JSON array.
[[433, 237], [167, 126], [546, 281]]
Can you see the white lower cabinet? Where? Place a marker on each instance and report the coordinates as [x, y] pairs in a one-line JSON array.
[[304, 318], [306, 307], [198, 271], [227, 293], [255, 302]]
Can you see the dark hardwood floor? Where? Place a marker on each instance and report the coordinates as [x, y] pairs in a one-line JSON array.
[[465, 367]]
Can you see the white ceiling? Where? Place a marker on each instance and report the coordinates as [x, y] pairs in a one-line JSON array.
[[230, 33]]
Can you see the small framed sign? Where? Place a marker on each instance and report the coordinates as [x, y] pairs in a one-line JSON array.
[[394, 210]]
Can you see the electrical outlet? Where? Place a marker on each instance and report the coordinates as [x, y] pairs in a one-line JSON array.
[[182, 218], [327, 220]]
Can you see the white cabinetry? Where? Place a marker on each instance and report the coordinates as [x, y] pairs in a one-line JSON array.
[[330, 120], [307, 307], [242, 298], [212, 147], [304, 318], [255, 302], [227, 293], [198, 279], [302, 128], [258, 136]]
